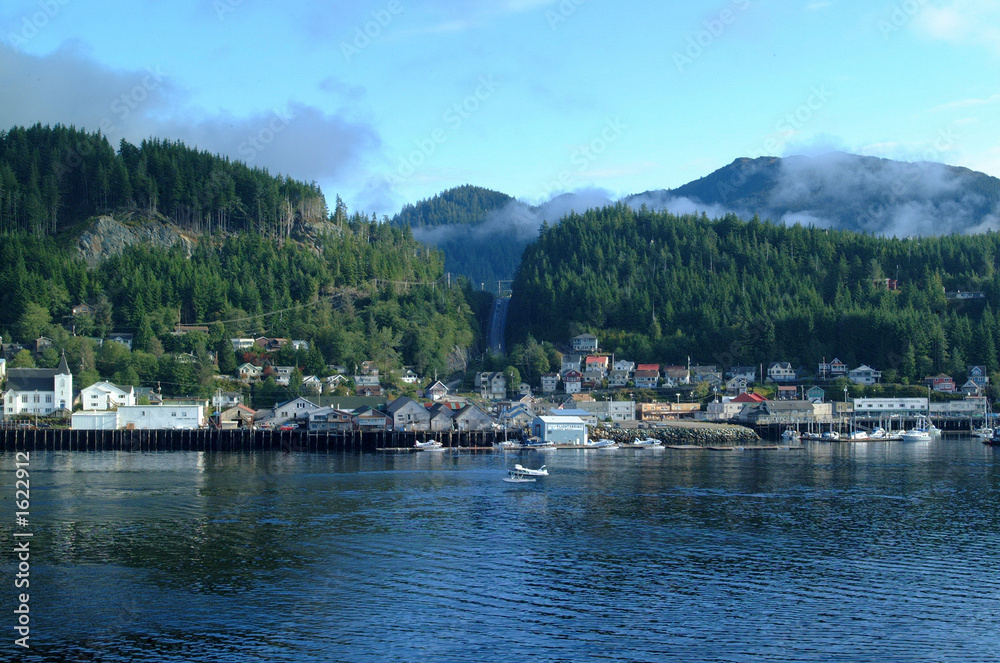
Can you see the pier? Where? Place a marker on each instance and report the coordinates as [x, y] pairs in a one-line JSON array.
[[240, 440]]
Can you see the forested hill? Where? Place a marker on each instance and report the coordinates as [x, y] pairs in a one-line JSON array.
[[657, 287], [54, 177], [474, 228], [369, 293], [463, 205]]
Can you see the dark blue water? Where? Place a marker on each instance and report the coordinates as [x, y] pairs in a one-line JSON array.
[[865, 552]]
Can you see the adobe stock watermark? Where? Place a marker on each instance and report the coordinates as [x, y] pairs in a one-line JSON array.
[[583, 157], [563, 12], [790, 123], [35, 22], [454, 117], [901, 14], [122, 107], [713, 28], [365, 34], [257, 142], [224, 7]]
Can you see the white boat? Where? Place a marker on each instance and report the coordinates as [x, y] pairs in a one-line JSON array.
[[527, 471], [916, 435], [982, 434], [791, 435], [429, 445], [831, 436]]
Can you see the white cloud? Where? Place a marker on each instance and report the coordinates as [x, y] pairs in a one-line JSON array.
[[962, 22]]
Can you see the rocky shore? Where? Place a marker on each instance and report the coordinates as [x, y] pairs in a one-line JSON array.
[[683, 433]]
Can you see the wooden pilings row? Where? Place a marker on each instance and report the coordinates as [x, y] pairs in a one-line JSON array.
[[240, 440]]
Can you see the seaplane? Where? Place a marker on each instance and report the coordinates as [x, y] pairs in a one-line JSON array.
[[521, 474], [429, 445]]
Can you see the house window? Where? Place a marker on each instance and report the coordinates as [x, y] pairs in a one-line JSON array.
[[48, 398], [24, 398]]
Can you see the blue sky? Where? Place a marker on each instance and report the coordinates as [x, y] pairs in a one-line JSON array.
[[391, 101]]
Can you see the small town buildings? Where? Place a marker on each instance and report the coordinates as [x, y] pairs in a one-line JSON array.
[[624, 365], [665, 411], [611, 410], [584, 343], [864, 375], [408, 415], [102, 396], [517, 416], [560, 430], [572, 382], [300, 345], [736, 385], [238, 416], [709, 374], [38, 391], [161, 417], [241, 344], [748, 373], [248, 372], [571, 362], [875, 407], [283, 375], [588, 417], [369, 419], [592, 380], [674, 376], [471, 417], [94, 420], [831, 370], [943, 383], [223, 400], [42, 343], [550, 382], [647, 376], [971, 389], [121, 337], [296, 410], [330, 420], [778, 412], [978, 375], [409, 377], [82, 309], [723, 410], [596, 364], [618, 379], [788, 393], [492, 385], [441, 417], [815, 395], [781, 371], [437, 391], [312, 385]]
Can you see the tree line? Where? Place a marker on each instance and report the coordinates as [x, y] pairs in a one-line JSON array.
[[657, 287]]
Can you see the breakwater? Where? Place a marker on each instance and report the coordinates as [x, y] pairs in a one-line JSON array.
[[684, 433], [241, 440]]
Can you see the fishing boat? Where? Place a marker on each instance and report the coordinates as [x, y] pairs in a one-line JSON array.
[[916, 435], [994, 440], [527, 471], [429, 445]]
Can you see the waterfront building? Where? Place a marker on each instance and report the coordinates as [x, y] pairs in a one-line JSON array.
[[106, 396], [161, 417], [560, 429], [38, 391]]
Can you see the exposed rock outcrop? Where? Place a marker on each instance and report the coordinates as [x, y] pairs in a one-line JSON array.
[[108, 236]]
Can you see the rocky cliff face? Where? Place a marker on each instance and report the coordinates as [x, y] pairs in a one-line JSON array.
[[108, 236]]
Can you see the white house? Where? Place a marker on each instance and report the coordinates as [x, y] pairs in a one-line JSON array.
[[781, 371], [38, 391], [161, 417], [550, 382], [241, 344], [223, 400], [3, 369], [299, 408], [585, 343], [102, 396], [864, 374], [248, 372]]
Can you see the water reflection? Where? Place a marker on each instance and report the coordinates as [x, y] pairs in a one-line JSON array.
[[674, 555]]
